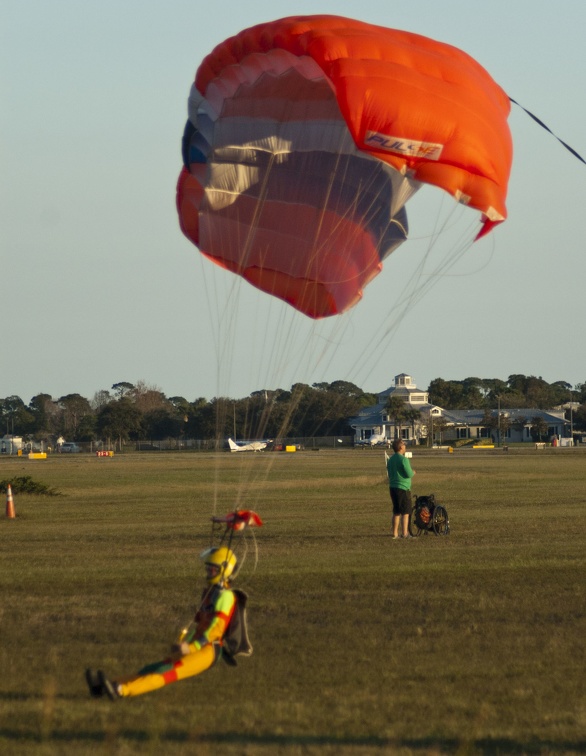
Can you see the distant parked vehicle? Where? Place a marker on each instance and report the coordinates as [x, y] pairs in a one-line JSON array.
[[69, 448]]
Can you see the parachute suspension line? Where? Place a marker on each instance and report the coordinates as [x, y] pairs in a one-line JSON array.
[[544, 126], [213, 298], [291, 323], [255, 549], [276, 344], [219, 316], [226, 337], [364, 189], [349, 211], [257, 210], [322, 345], [416, 288], [222, 291], [242, 558], [341, 324], [317, 248], [326, 335], [226, 332], [230, 537], [237, 283]]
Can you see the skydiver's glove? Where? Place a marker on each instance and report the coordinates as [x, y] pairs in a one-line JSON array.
[[180, 649]]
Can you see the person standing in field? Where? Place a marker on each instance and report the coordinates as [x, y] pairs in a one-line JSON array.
[[400, 473]]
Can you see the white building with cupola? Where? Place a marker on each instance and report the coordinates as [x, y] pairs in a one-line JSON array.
[[424, 422]]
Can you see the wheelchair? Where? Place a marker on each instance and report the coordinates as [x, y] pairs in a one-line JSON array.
[[428, 516]]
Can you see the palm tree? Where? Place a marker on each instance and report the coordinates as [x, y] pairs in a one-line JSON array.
[[412, 416], [397, 410], [438, 424], [538, 427]]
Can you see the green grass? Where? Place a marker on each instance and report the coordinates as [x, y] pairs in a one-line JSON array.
[[468, 644]]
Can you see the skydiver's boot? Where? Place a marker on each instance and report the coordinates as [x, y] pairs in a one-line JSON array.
[[94, 684], [108, 687]]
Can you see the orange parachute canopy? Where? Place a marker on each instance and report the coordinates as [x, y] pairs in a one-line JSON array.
[[307, 135]]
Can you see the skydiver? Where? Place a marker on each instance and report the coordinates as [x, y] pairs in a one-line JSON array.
[[219, 631]]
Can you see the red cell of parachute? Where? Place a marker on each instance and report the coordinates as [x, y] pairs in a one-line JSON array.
[[306, 137]]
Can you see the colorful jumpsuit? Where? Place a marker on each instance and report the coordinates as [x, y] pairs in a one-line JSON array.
[[205, 646]]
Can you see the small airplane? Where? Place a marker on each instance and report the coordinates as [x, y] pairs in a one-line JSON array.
[[253, 446], [374, 440]]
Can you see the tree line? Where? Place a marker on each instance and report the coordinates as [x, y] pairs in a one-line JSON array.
[[133, 412], [516, 392]]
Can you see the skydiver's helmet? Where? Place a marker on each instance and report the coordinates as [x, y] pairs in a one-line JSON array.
[[220, 563]]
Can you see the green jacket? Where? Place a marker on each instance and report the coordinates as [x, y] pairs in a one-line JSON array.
[[399, 472]]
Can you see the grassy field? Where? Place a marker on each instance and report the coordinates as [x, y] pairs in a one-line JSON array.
[[467, 644]]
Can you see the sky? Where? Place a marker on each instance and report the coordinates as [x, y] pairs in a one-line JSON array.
[[100, 286]]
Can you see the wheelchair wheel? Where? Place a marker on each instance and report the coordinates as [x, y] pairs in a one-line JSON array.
[[414, 529], [440, 521]]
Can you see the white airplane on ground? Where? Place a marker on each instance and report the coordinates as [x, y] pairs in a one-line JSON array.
[[376, 438], [254, 446]]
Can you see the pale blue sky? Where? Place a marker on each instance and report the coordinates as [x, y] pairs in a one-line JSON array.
[[100, 286]]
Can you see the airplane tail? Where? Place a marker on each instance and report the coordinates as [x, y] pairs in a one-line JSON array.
[[233, 447]]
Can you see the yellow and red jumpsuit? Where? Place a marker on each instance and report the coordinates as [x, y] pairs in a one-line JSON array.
[[205, 646]]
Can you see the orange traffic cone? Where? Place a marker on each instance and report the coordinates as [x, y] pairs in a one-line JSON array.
[[10, 513]]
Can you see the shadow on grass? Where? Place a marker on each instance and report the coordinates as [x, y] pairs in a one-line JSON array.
[[481, 745]]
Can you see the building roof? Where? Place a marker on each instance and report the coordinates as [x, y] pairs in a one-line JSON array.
[[369, 416], [475, 416], [373, 415]]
